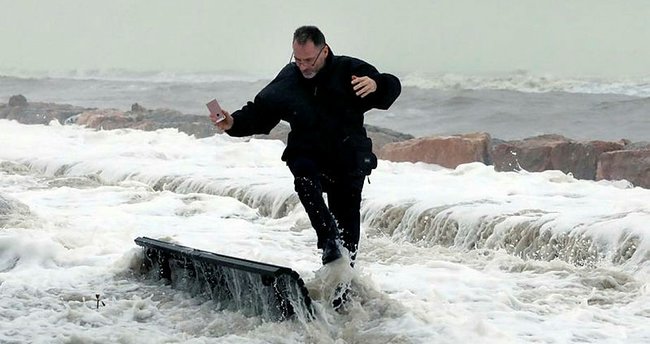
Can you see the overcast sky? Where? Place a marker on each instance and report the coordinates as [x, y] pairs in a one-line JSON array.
[[563, 38]]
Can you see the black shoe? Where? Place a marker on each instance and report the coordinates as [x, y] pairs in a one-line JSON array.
[[341, 297], [331, 251]]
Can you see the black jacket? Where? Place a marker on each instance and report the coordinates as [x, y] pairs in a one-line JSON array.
[[325, 115]]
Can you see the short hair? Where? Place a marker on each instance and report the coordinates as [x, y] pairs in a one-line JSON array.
[[309, 33]]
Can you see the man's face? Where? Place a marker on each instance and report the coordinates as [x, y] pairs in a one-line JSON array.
[[309, 58]]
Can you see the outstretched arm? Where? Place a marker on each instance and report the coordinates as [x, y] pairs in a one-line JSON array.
[[256, 117], [259, 116], [250, 120]]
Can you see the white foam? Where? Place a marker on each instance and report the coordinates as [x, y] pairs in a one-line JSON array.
[[205, 193]]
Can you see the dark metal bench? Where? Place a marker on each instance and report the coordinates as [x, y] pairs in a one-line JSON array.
[[271, 291]]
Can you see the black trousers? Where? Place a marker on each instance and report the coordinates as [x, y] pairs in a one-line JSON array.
[[340, 218]]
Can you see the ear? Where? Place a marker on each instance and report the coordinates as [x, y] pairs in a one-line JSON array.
[[326, 51]]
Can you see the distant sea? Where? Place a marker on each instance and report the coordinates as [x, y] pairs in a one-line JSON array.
[[509, 106]]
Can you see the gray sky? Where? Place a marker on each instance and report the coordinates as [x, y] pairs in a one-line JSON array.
[[562, 38]]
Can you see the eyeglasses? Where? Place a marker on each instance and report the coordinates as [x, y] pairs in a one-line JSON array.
[[310, 61]]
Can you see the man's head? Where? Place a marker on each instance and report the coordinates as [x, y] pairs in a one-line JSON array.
[[309, 50]]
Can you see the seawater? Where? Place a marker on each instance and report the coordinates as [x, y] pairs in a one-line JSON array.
[[512, 106]]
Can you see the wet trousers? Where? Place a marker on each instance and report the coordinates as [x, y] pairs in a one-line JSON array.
[[338, 219]]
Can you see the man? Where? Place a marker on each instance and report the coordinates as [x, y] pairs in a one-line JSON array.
[[323, 97]]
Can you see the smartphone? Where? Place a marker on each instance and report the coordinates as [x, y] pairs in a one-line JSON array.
[[215, 109]]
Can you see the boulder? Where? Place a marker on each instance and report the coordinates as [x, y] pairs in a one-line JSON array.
[[18, 100], [531, 154], [135, 107], [104, 119], [38, 113], [638, 145], [631, 165], [197, 125], [142, 119], [447, 151], [551, 152], [382, 136]]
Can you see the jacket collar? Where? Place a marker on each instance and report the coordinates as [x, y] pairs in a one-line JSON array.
[[328, 61]]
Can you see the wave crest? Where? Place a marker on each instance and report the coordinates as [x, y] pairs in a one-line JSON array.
[[530, 83]]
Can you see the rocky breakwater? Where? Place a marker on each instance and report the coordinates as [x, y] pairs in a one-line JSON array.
[[22, 111], [593, 160]]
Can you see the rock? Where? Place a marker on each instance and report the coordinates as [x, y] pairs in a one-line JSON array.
[[447, 151], [145, 125], [137, 108], [638, 145], [551, 152], [197, 125], [12, 212], [148, 120], [382, 136], [40, 113], [581, 158], [18, 100], [531, 154], [631, 165], [104, 119]]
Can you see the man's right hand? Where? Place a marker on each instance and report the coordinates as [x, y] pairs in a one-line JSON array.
[[225, 124]]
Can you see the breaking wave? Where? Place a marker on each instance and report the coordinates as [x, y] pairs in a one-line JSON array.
[[528, 234], [523, 81]]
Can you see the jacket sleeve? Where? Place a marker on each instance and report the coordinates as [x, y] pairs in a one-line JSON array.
[[259, 116], [388, 86]]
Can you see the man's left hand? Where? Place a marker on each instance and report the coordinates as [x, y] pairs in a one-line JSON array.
[[363, 85]]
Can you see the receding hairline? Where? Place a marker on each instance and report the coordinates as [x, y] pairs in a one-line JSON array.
[[307, 33]]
